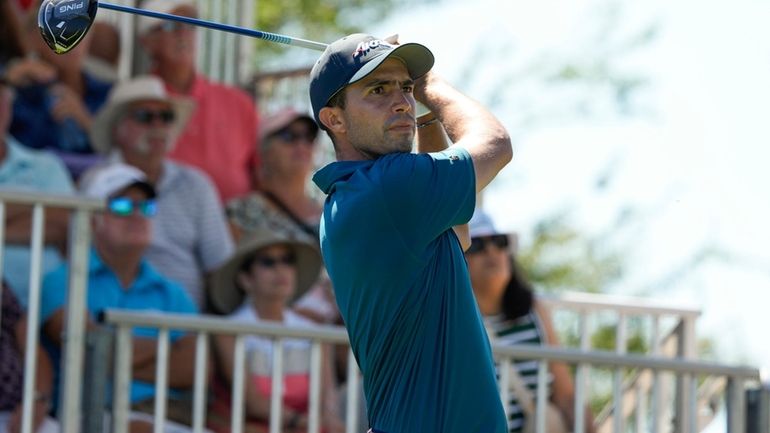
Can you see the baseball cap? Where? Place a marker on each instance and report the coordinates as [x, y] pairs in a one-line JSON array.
[[145, 24], [281, 119], [355, 56], [106, 181]]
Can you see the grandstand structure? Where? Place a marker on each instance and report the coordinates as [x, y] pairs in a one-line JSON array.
[[665, 389]]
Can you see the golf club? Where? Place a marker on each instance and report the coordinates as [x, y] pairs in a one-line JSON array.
[[64, 23]]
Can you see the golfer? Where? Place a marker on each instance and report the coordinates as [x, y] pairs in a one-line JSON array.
[[397, 266]]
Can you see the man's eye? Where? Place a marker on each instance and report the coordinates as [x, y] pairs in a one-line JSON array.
[[378, 90], [408, 89]]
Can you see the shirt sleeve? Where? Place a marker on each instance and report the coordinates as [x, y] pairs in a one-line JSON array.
[[426, 194], [56, 176]]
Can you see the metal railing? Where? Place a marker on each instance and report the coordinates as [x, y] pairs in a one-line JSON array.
[[671, 332], [74, 338], [686, 371], [737, 377]]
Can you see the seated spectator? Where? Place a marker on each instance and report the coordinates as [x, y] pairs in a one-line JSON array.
[[268, 271], [282, 203], [13, 331], [119, 277], [514, 316], [138, 126], [220, 137], [55, 99], [24, 169]]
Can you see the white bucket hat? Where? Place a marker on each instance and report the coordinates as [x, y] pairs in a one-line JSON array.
[[142, 88]]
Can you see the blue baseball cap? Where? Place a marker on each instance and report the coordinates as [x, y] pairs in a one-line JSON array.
[[355, 56]]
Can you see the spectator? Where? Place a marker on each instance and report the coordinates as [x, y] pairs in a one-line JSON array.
[[119, 277], [269, 270], [55, 100], [220, 137], [25, 169], [138, 126], [12, 343], [513, 314]]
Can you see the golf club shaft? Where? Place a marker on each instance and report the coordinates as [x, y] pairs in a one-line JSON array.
[[272, 37]]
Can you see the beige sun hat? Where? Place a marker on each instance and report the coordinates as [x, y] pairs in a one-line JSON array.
[[142, 88], [225, 295]]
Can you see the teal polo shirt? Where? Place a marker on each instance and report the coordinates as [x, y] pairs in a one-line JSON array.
[[403, 290], [150, 291]]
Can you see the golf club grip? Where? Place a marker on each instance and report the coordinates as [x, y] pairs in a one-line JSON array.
[[272, 37]]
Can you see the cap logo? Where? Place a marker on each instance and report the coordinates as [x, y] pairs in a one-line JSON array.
[[364, 48]]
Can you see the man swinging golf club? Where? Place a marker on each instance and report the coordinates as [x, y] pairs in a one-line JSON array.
[[386, 233]]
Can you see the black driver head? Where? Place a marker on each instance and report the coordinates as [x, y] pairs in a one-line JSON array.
[[64, 23]]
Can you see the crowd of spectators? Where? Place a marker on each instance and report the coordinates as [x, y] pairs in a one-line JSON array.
[[207, 211]]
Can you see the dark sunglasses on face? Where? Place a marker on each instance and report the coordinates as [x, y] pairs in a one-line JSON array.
[[147, 117], [479, 244], [294, 137], [124, 206], [270, 261]]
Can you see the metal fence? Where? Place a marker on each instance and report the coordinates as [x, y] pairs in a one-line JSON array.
[[656, 416]]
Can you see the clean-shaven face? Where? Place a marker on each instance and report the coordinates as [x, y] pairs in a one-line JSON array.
[[379, 111]]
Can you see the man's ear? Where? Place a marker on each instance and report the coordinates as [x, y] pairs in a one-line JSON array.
[[332, 119]]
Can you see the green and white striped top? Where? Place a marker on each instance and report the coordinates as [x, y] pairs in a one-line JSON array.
[[526, 329]]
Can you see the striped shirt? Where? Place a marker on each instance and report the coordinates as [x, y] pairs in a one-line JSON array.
[[526, 329], [190, 236]]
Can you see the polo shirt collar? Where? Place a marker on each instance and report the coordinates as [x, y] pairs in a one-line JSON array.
[[147, 276]]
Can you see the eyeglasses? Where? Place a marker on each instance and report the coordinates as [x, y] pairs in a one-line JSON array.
[[294, 137], [147, 117], [271, 262], [479, 244], [124, 206]]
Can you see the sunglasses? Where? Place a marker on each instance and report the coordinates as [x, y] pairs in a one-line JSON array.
[[271, 262], [147, 117], [479, 244], [294, 137], [124, 206]]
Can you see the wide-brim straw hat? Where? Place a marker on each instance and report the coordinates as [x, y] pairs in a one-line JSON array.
[[225, 295], [142, 88]]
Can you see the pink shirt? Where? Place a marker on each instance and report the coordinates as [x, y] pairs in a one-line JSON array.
[[220, 137]]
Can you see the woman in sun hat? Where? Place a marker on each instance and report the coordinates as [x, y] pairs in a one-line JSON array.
[[258, 283]]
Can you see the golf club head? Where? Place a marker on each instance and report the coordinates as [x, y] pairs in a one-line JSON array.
[[64, 23]]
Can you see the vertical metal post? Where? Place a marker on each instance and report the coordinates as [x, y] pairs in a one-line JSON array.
[[352, 400], [581, 373], [33, 308], [617, 393], [122, 389], [161, 381], [230, 42], [687, 348], [314, 421], [736, 405], [542, 395], [74, 338], [239, 371], [655, 399], [276, 391], [248, 18], [215, 48], [199, 392]]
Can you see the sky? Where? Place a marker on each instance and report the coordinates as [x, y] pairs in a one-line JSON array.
[[691, 160]]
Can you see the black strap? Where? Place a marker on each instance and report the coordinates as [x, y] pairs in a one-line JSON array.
[[312, 231]]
